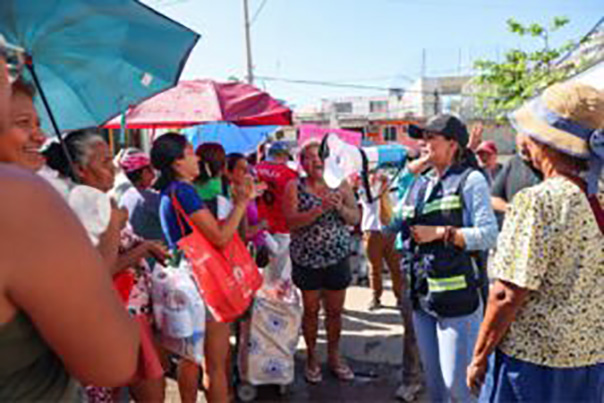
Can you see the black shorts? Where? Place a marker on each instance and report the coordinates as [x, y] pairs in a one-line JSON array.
[[332, 278]]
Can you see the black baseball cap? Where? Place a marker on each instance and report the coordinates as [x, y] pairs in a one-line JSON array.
[[447, 125]]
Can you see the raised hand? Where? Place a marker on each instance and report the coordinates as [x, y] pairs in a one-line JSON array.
[[475, 136], [245, 192], [417, 166], [119, 216], [331, 201]]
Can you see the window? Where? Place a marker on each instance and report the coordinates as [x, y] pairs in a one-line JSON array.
[[389, 133], [343, 107], [378, 106]]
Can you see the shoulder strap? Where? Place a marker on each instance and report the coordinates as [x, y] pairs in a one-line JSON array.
[[596, 207], [420, 200], [180, 214]]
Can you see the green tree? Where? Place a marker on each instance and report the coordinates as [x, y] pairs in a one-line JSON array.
[[502, 87]]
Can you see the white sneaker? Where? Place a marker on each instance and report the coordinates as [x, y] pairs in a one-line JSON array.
[[408, 393]]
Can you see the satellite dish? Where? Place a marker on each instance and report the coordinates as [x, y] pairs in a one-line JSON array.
[[341, 160]]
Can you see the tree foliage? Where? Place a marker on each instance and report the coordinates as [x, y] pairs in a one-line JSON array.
[[503, 86]]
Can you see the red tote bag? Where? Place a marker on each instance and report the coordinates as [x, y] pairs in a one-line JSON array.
[[228, 278]]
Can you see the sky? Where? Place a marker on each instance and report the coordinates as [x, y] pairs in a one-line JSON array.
[[377, 43]]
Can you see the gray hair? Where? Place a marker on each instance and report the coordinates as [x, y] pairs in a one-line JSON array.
[[79, 145]]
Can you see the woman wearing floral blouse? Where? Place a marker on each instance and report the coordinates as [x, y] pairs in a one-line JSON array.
[[544, 320]]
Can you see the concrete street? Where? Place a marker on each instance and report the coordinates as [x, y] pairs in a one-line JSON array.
[[372, 344]]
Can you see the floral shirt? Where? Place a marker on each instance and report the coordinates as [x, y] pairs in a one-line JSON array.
[[551, 245], [139, 301], [324, 242]]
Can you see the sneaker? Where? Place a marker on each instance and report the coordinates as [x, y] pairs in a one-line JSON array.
[[374, 304], [408, 393]]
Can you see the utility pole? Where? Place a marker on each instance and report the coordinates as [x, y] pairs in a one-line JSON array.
[[248, 44], [423, 74]]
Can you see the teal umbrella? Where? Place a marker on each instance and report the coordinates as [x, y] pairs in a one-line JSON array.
[[92, 59]]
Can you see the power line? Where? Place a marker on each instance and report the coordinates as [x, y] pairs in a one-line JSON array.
[[166, 3], [483, 5], [377, 78], [355, 86], [325, 83], [258, 11]]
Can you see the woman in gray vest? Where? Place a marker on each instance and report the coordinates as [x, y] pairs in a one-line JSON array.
[[446, 220]]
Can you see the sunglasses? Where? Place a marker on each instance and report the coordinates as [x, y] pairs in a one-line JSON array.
[[14, 57]]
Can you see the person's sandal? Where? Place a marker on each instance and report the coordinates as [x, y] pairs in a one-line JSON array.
[[313, 375], [342, 372]]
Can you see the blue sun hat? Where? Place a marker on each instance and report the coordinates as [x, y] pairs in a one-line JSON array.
[[568, 117]]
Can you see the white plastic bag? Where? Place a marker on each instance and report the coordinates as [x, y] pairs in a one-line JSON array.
[[179, 311], [93, 208]]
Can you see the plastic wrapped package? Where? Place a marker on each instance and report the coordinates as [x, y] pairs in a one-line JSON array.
[[270, 338], [179, 311]]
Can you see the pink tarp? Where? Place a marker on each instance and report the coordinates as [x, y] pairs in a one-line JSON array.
[[314, 132], [200, 101]]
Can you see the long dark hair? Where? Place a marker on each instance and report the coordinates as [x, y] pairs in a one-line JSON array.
[[78, 144], [466, 157], [232, 160], [212, 159], [165, 150]]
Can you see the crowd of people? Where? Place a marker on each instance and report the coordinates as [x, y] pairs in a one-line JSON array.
[[498, 270]]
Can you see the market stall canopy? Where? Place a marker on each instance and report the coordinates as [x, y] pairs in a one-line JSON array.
[[311, 132], [200, 101]]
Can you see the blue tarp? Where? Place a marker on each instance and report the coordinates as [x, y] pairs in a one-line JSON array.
[[233, 138]]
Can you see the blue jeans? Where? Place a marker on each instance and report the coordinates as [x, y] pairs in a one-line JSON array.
[[446, 346]]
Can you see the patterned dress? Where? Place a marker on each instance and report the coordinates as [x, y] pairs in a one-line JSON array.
[[134, 285]]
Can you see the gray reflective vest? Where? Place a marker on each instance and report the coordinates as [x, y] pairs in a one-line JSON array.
[[443, 278]]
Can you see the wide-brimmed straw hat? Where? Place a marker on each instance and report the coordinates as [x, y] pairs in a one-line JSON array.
[[568, 117]]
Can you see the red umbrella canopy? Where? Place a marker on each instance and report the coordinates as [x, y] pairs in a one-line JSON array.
[[198, 101]]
